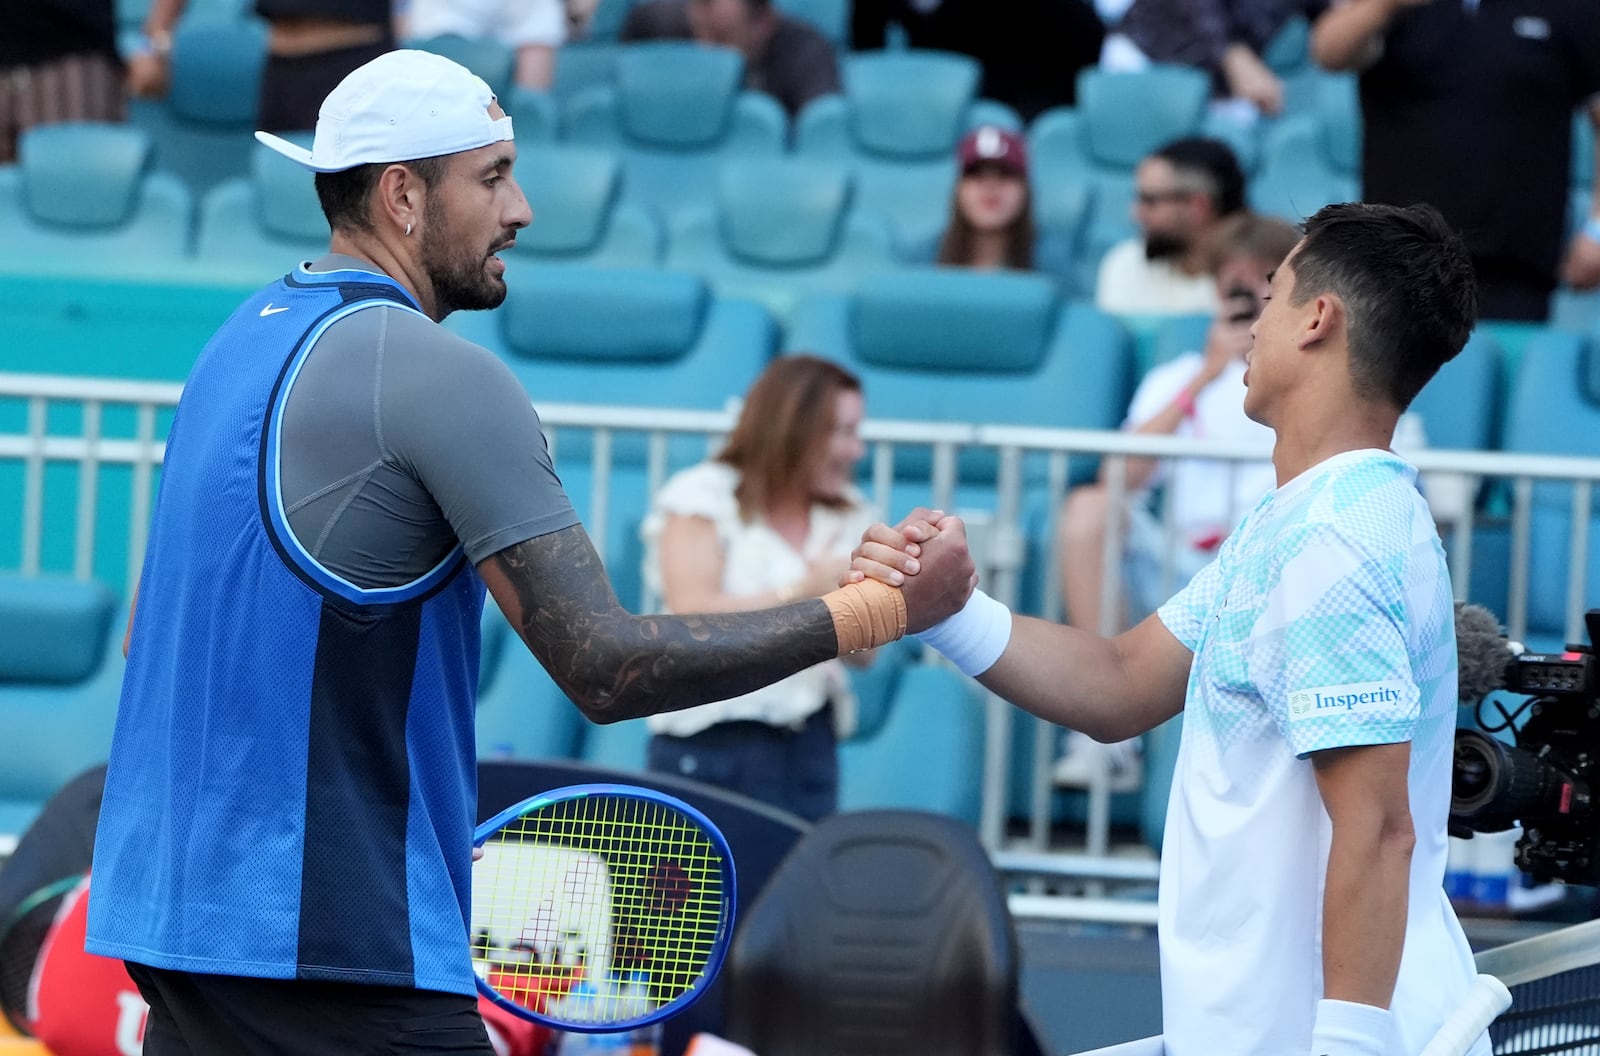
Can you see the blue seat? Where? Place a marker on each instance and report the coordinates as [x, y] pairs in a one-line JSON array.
[[1313, 159], [521, 714], [652, 339], [674, 114], [60, 678], [897, 125], [82, 198], [584, 64], [490, 59], [1460, 407], [780, 229], [1084, 158], [617, 746], [928, 753], [536, 115], [259, 227], [579, 216], [1555, 409], [945, 344], [202, 129]]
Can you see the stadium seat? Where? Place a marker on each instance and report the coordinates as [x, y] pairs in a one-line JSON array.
[[1083, 158], [521, 712], [259, 227], [490, 59], [579, 216], [535, 115], [1460, 407], [780, 229], [897, 125], [674, 114], [202, 129], [948, 344], [1312, 159], [60, 677], [928, 753], [1555, 409], [82, 197], [614, 337], [584, 64], [883, 933]]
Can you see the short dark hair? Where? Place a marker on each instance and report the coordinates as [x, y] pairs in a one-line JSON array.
[[345, 195], [1407, 284], [1214, 164]]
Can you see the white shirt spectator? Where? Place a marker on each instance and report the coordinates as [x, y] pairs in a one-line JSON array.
[[1131, 284]]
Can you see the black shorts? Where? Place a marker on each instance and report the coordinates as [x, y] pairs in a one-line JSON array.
[[194, 1014]]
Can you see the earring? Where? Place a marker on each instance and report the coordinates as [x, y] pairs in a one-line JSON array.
[[408, 230]]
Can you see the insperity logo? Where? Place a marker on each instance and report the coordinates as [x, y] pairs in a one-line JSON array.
[[1356, 698]]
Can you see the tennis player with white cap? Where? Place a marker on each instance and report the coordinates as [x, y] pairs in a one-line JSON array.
[[285, 844]]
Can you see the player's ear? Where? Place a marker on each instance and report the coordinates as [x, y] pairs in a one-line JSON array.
[[1323, 317], [399, 197]]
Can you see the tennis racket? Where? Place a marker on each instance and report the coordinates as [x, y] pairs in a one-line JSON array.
[[1487, 998], [599, 908]]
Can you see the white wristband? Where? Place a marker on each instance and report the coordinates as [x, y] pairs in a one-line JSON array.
[[1344, 1028], [973, 638]]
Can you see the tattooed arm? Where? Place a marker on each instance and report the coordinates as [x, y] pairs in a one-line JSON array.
[[616, 665]]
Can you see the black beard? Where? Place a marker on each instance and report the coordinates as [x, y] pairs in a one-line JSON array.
[[1164, 247], [461, 281]]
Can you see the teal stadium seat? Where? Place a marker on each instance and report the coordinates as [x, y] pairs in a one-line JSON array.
[[82, 198], [203, 128], [60, 676], [584, 64], [536, 116], [948, 344], [1460, 407], [579, 216], [490, 59], [927, 755], [1555, 409], [780, 229], [521, 714], [1574, 309], [897, 125], [1312, 159], [649, 339], [257, 228], [674, 114], [1083, 158]]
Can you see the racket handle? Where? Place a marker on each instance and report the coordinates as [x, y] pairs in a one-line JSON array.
[[1487, 998]]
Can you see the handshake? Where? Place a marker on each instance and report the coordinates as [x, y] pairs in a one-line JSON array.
[[922, 569]]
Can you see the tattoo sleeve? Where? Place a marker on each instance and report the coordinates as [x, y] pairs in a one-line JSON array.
[[616, 665]]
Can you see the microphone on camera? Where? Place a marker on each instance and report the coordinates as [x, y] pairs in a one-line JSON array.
[[1482, 652]]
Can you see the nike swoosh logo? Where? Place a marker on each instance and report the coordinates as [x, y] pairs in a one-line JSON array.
[[269, 310]]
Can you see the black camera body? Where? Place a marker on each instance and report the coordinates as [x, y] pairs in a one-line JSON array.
[[1547, 780]]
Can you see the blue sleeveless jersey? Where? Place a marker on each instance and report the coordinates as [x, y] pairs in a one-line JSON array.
[[292, 783]]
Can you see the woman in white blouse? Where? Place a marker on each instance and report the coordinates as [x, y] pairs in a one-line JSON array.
[[772, 517]]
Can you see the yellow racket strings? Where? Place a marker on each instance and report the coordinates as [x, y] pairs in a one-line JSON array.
[[620, 893]]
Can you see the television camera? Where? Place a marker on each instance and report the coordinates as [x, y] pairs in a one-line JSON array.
[[1546, 779]]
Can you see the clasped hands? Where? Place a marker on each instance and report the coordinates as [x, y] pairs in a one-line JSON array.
[[926, 556]]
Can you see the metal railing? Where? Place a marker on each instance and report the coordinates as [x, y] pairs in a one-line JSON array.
[[1032, 467]]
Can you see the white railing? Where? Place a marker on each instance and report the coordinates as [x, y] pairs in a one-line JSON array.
[[998, 538]]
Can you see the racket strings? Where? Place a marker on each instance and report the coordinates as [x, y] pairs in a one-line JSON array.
[[600, 908]]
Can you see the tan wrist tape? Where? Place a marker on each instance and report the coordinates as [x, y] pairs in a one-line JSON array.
[[866, 615]]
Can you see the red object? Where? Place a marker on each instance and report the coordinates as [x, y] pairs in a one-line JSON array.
[[993, 144], [81, 1004]]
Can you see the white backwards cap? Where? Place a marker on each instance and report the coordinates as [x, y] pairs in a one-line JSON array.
[[400, 106]]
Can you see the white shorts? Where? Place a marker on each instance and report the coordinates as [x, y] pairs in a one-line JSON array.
[[518, 23]]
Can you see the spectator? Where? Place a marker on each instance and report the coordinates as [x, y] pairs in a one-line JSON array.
[[991, 210], [1181, 193], [770, 519], [1030, 50], [1468, 106], [1226, 38], [1198, 394], [58, 62], [308, 53], [535, 28], [783, 56]]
